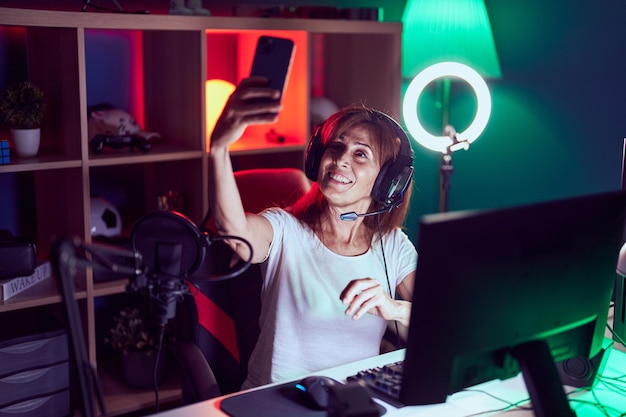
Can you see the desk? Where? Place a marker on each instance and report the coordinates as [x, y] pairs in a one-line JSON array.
[[486, 399]]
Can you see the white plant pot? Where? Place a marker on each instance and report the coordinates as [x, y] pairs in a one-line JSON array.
[[26, 142]]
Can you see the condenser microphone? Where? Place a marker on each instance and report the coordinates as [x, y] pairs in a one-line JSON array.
[[352, 216]]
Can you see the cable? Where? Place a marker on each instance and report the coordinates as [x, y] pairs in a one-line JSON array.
[[509, 405], [616, 336], [205, 228], [235, 272], [155, 371], [382, 250]]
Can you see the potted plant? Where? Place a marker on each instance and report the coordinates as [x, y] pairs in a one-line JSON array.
[[134, 336], [21, 107]]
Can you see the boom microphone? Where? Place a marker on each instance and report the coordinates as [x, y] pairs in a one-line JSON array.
[[352, 216]]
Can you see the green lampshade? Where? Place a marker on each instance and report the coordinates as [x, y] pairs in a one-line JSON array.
[[448, 30]]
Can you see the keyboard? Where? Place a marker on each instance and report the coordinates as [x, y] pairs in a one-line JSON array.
[[384, 382]]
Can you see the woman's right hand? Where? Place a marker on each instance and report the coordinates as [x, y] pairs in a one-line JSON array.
[[245, 107]]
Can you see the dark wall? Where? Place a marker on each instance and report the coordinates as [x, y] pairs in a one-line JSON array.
[[557, 124]]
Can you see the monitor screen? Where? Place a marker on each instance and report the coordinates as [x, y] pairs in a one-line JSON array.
[[513, 289], [619, 293]]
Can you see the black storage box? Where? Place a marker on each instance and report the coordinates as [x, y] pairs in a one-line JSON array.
[[35, 375], [34, 383], [53, 405], [33, 351], [17, 258]]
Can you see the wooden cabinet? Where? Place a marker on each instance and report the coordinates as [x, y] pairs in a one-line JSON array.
[[157, 67]]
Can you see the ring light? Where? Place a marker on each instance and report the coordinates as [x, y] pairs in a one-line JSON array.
[[421, 80]]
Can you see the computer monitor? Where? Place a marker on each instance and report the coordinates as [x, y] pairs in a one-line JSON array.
[[513, 289], [619, 292]]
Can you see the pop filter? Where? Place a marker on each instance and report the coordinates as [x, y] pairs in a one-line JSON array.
[[173, 248], [170, 243]]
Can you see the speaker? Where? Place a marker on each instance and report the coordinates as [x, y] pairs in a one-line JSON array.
[[583, 372], [394, 176]]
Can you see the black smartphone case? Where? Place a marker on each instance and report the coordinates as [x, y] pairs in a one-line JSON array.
[[272, 59]]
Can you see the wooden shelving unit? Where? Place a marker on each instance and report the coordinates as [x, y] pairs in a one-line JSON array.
[[171, 58]]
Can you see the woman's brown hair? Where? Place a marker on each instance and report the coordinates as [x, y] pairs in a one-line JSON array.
[[312, 207]]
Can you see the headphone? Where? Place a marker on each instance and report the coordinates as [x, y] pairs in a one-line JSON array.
[[394, 176]]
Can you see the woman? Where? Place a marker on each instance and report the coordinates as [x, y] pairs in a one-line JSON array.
[[329, 284]]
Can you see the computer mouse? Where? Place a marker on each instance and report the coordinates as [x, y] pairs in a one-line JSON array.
[[314, 391]]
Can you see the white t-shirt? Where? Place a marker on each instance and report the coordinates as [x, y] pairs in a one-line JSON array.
[[303, 323]]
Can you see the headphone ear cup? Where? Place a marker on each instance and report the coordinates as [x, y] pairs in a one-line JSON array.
[[313, 156], [379, 193], [392, 181]]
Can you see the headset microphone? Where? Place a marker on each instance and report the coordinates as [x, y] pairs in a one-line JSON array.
[[352, 216]]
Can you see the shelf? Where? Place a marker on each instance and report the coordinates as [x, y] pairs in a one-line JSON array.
[[110, 287], [251, 145], [29, 17], [161, 154], [122, 399], [44, 293], [156, 67], [40, 163]]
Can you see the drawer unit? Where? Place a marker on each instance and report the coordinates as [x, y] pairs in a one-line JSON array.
[[33, 351], [35, 375], [54, 405], [34, 383]]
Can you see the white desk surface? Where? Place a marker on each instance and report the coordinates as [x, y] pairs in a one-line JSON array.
[[488, 399]]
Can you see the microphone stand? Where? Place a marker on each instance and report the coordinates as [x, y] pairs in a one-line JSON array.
[[160, 286], [68, 256], [154, 267]]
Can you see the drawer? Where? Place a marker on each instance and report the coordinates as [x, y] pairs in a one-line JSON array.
[[34, 383], [55, 405], [33, 351]]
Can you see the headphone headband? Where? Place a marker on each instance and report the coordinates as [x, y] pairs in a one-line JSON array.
[[394, 176]]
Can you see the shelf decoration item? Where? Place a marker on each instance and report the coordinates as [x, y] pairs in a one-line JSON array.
[[22, 107], [5, 152], [216, 93], [13, 286], [110, 127], [134, 337], [193, 7]]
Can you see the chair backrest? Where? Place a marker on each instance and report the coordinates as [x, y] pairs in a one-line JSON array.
[[226, 313], [270, 187]]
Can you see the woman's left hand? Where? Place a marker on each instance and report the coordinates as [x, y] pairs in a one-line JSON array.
[[366, 295]]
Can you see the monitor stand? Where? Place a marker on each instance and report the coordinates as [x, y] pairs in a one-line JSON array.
[[619, 292], [542, 380], [619, 310]]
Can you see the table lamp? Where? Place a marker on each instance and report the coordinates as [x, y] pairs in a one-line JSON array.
[[216, 95], [442, 40]]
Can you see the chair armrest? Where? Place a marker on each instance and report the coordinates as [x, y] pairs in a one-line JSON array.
[[198, 380], [392, 339]]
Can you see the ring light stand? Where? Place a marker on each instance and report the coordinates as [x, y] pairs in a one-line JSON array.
[[446, 168], [451, 141]]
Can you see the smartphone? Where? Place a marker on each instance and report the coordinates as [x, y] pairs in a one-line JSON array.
[[272, 59]]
